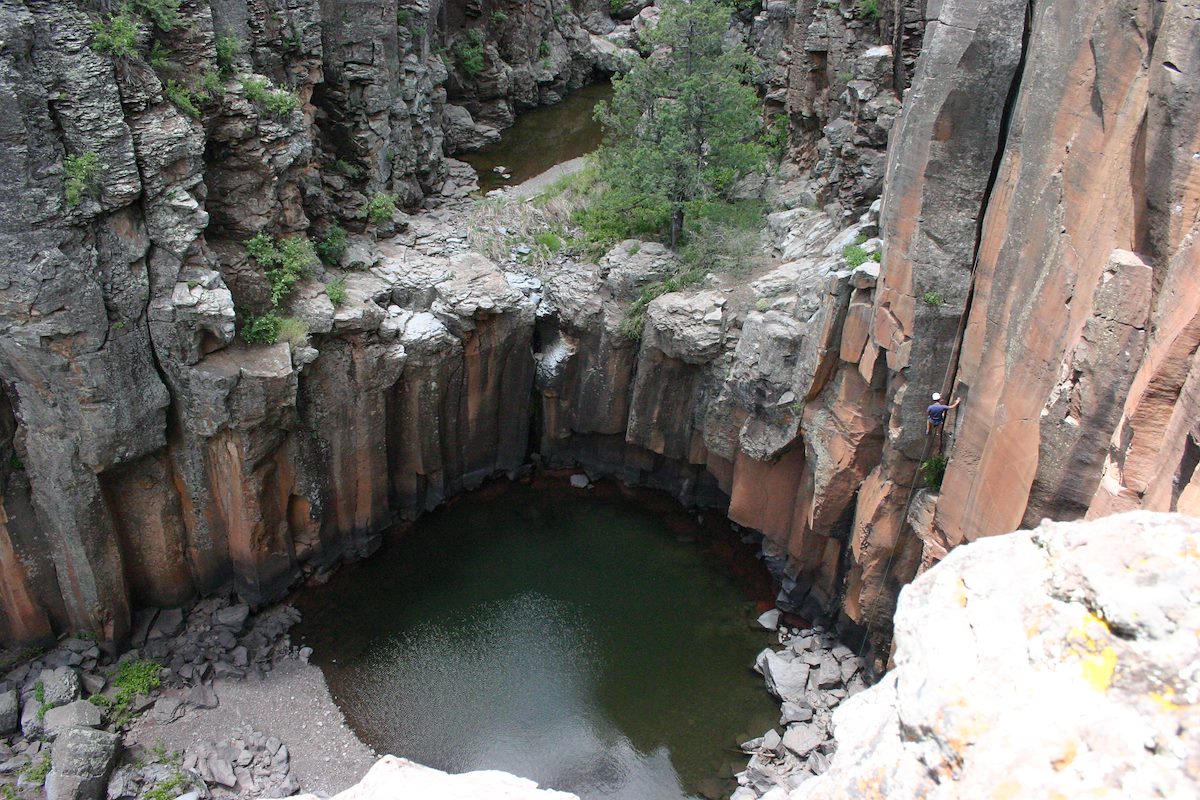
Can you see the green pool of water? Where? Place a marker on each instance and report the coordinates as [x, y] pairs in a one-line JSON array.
[[541, 138], [572, 639]]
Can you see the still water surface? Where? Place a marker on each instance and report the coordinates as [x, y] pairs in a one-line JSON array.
[[567, 638], [541, 138]]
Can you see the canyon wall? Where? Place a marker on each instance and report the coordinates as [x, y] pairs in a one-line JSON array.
[[1036, 257]]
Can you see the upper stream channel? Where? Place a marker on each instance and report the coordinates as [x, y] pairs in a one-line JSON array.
[[583, 639], [542, 138]]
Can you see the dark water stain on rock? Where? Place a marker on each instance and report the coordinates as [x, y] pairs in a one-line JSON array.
[[564, 635]]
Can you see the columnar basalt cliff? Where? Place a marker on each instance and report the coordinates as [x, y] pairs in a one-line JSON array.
[[1036, 234]]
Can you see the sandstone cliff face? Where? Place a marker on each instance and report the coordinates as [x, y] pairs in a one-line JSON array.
[[1054, 662]]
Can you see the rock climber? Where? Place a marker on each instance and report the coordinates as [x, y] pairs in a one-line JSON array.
[[937, 413]]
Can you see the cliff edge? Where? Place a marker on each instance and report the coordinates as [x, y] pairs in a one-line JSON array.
[[1057, 662]]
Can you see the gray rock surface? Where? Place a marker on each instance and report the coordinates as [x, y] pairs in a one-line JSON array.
[[10, 711], [81, 762], [79, 714]]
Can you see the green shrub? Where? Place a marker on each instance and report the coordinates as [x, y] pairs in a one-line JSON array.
[[210, 85], [133, 678], [855, 256], [287, 261], [417, 31], [775, 137], [869, 8], [81, 171], [183, 97], [279, 102], [933, 470], [403, 15], [163, 13], [261, 329], [614, 215], [228, 49], [380, 208], [343, 167], [137, 677], [331, 248], [158, 59], [499, 17], [470, 54], [544, 49], [256, 89], [932, 298], [336, 289], [117, 35]]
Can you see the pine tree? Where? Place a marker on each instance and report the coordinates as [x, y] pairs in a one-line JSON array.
[[684, 123]]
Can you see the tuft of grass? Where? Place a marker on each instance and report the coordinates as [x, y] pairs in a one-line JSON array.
[[336, 289], [933, 470], [36, 771], [932, 298], [403, 15], [549, 240], [293, 330], [380, 208], [499, 18], [117, 35], [81, 169]]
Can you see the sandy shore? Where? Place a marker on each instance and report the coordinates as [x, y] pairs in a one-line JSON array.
[[293, 704]]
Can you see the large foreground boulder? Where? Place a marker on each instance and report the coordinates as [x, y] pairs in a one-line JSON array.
[[1058, 662], [393, 778], [80, 764]]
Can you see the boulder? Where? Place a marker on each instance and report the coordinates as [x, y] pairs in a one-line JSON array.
[[393, 777], [785, 679], [10, 711], [59, 686], [1058, 662], [80, 714], [81, 762]]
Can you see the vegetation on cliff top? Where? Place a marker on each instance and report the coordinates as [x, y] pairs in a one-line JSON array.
[[685, 123]]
